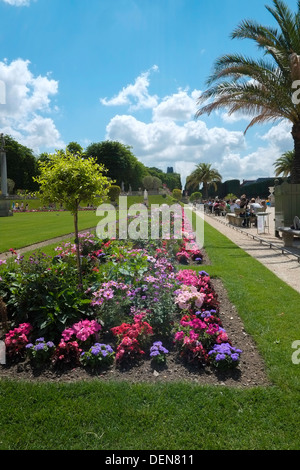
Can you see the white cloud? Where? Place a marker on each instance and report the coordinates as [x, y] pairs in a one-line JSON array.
[[18, 3], [166, 143], [135, 95], [280, 136], [28, 98], [174, 138], [179, 106]]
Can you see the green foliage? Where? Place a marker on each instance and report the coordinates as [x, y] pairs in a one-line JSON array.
[[171, 180], [69, 179], [122, 165], [21, 164], [152, 182], [284, 164], [75, 148], [246, 85], [114, 192], [196, 196], [177, 194], [205, 174], [43, 291]]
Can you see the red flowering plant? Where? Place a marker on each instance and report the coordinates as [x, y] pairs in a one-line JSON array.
[[128, 350], [131, 337], [183, 257], [138, 329], [16, 341], [67, 353]]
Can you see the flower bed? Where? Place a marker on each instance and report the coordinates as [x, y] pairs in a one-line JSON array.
[[137, 303]]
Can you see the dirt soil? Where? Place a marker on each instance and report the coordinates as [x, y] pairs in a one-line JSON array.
[[250, 372]]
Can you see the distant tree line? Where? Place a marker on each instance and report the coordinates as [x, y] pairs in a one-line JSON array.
[[122, 166]]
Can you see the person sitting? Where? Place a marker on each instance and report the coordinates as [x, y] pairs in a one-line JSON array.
[[235, 204], [296, 223], [216, 207], [245, 214], [254, 206]]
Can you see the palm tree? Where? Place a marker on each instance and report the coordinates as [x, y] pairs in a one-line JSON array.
[[206, 175], [283, 165], [263, 88]]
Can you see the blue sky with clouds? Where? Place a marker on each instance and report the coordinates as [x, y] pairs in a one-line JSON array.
[[130, 70]]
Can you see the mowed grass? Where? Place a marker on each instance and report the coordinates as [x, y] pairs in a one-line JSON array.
[[107, 416], [27, 228], [24, 229]]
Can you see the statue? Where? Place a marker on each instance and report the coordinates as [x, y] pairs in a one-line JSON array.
[[3, 168], [2, 143], [4, 203], [146, 197]]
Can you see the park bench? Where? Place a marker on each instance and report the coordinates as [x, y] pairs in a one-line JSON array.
[[237, 220], [234, 219], [288, 235]]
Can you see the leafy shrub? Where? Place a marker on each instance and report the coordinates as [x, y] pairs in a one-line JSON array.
[[40, 352], [67, 353], [177, 194], [16, 340], [195, 197], [158, 352], [224, 356], [114, 192], [44, 292], [99, 355]]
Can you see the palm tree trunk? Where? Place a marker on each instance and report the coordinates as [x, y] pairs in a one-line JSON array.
[[205, 189], [295, 172]]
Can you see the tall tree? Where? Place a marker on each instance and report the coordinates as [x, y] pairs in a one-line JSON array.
[[284, 164], [206, 175], [263, 88], [75, 148], [122, 165], [69, 179], [21, 164]]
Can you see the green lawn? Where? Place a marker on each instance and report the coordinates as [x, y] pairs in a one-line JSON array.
[[180, 416], [27, 228]]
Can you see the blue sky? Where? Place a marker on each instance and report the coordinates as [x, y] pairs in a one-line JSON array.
[[130, 70]]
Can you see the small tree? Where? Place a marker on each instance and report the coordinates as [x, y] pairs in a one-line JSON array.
[[177, 194], [196, 197], [69, 179], [156, 183], [148, 182], [114, 192]]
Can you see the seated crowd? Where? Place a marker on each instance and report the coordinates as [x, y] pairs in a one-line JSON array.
[[246, 208]]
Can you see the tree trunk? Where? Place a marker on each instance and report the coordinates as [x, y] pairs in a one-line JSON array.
[[295, 172], [205, 189], [77, 248]]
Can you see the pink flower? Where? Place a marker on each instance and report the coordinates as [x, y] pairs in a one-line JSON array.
[[82, 330], [179, 336]]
